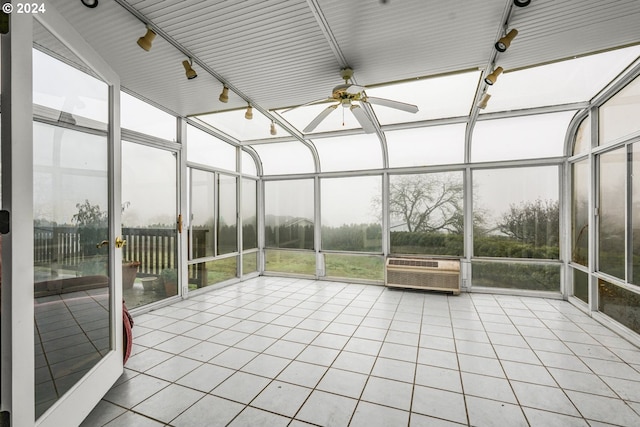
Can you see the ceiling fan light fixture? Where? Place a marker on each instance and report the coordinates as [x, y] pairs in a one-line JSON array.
[[224, 95], [521, 3], [503, 44], [90, 3], [249, 113], [146, 41], [491, 78], [272, 129], [190, 72]]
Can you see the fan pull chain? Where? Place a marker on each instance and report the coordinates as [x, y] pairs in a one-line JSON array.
[[343, 117]]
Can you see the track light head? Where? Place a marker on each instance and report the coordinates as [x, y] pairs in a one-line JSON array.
[[90, 3], [146, 40], [273, 130], [491, 78], [521, 3], [484, 101], [224, 95], [190, 72], [503, 44], [249, 113]]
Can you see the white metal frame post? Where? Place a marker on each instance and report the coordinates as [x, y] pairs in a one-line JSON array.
[[18, 373]]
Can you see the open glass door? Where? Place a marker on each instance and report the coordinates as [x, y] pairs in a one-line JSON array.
[[76, 225]]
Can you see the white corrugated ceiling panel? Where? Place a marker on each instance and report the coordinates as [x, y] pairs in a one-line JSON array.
[[411, 38], [280, 53], [271, 50]]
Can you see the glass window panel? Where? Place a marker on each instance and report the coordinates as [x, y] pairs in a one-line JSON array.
[[206, 149], [296, 262], [349, 152], [139, 116], [436, 98], [531, 277], [635, 213], [351, 214], [432, 145], [527, 137], [227, 215], [618, 117], [583, 137], [343, 266], [65, 153], [620, 304], [209, 273], [234, 124], [611, 231], [426, 213], [149, 206], [58, 197], [289, 218], [285, 158], [581, 285], [574, 80], [249, 214], [516, 212], [580, 212], [248, 164], [202, 203], [249, 263], [75, 93]]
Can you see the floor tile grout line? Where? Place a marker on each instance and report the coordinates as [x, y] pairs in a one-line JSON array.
[[579, 358], [353, 298]]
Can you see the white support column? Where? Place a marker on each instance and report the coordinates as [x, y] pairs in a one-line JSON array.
[[18, 395], [468, 230], [593, 216], [183, 208], [320, 269], [239, 219]]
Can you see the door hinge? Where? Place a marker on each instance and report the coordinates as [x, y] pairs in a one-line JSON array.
[[5, 222], [5, 419]]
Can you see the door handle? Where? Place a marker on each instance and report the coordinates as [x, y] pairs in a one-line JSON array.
[[120, 242]]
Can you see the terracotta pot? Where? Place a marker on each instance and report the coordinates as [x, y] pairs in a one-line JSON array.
[[129, 272], [170, 288]]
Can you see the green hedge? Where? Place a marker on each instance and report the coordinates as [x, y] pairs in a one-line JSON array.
[[534, 277]]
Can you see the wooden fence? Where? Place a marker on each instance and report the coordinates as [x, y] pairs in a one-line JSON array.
[[154, 248]]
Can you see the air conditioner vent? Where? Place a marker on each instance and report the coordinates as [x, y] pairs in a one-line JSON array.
[[413, 262], [421, 273]]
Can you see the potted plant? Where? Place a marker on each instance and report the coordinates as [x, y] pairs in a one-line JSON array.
[[169, 277]]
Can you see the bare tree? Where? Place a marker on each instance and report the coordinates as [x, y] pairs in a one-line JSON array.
[[533, 222], [427, 202]]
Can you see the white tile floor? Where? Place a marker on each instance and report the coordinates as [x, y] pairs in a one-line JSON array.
[[290, 352]]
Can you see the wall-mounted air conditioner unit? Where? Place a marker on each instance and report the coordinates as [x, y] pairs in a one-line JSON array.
[[423, 273]]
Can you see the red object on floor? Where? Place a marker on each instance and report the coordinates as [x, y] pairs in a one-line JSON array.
[[127, 321]]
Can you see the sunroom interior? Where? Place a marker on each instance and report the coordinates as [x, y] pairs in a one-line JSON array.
[[309, 142]]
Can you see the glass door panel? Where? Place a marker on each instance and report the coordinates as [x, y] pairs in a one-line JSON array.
[[76, 218], [149, 210], [71, 258]]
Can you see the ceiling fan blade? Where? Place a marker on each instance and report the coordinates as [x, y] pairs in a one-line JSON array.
[[319, 118], [353, 89], [363, 119], [409, 108], [317, 101]]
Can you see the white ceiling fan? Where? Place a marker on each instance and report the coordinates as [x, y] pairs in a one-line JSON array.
[[349, 95]]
